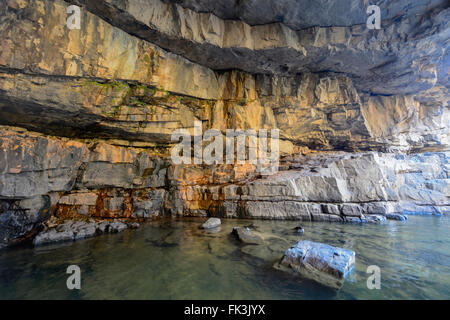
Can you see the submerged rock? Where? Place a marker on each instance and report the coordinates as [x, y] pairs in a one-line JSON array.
[[394, 216], [247, 236], [260, 252], [75, 230], [211, 223], [375, 218], [321, 262]]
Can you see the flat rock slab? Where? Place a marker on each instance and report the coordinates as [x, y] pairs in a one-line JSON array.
[[323, 263], [211, 223], [247, 236]]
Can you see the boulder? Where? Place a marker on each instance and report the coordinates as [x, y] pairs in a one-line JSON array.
[[330, 209], [323, 263], [211, 223], [103, 226]]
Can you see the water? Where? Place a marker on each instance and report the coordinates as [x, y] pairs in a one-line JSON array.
[[173, 259]]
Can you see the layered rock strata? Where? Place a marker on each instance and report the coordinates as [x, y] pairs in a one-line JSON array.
[[395, 60], [41, 175], [87, 115]]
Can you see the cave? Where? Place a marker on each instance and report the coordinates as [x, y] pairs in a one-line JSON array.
[[340, 166]]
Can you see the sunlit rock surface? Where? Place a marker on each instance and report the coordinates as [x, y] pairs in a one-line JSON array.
[[396, 60], [321, 262], [86, 116]]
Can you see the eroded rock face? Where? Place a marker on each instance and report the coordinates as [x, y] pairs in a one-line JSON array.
[[86, 116], [21, 219], [398, 217], [383, 62]]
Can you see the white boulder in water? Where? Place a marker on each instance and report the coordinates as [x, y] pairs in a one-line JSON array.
[[323, 263]]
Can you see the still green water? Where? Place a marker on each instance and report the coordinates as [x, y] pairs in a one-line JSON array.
[[173, 259]]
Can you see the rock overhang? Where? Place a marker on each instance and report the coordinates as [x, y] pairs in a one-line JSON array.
[[406, 56]]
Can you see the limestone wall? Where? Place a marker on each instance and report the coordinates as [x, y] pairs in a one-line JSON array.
[[86, 116]]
